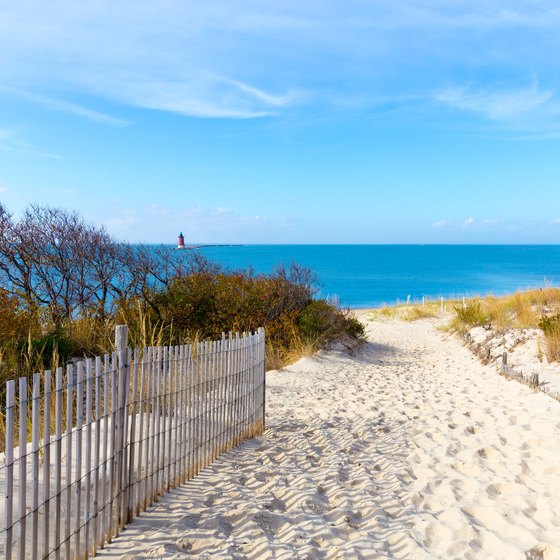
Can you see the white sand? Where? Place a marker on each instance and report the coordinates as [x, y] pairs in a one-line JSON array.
[[408, 449]]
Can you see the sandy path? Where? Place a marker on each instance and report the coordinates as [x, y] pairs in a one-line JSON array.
[[408, 449]]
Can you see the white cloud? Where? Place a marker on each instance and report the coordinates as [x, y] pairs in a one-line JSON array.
[[497, 104], [10, 141], [468, 222], [3, 188], [248, 59], [201, 95], [64, 106], [440, 224], [162, 224]]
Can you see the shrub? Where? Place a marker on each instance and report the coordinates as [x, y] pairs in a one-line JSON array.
[[551, 329], [164, 297], [316, 320], [472, 314], [550, 325]]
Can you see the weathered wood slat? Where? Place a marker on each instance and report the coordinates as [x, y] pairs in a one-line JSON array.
[[96, 456], [59, 388], [105, 477], [22, 465], [35, 438], [9, 493], [131, 474], [68, 472], [113, 437], [88, 467], [78, 474], [47, 461]]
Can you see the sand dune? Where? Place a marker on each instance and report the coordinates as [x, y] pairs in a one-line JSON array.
[[410, 448]]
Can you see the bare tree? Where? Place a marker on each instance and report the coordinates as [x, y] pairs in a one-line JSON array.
[[56, 261], [16, 265]]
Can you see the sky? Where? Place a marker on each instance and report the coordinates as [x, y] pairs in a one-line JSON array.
[[242, 121]]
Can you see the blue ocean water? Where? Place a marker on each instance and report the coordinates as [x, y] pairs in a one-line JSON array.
[[374, 275]]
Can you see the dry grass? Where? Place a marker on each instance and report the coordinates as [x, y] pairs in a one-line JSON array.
[[416, 312], [278, 357], [521, 310], [553, 347], [407, 312], [301, 349], [386, 312]]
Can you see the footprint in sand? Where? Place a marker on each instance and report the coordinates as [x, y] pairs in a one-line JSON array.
[[469, 469], [487, 453], [190, 546], [317, 504], [276, 505], [271, 523], [354, 519], [191, 521], [499, 489], [343, 475]]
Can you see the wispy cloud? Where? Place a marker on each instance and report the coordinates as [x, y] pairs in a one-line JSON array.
[[249, 59], [497, 104], [201, 94], [64, 106], [162, 224], [3, 188], [11, 142], [468, 222], [440, 224], [478, 14]]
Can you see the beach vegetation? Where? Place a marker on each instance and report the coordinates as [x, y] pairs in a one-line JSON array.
[[472, 314], [531, 309], [551, 329], [65, 284], [388, 311], [417, 312]]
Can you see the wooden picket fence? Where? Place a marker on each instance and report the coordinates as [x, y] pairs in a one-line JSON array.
[[115, 433]]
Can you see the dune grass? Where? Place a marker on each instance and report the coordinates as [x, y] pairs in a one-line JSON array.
[[538, 308], [408, 312]]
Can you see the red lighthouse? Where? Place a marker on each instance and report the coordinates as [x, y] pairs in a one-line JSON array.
[[181, 241]]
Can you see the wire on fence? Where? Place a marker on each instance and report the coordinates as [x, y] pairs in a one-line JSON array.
[[116, 433]]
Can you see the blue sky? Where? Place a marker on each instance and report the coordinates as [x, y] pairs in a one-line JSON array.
[[388, 121]]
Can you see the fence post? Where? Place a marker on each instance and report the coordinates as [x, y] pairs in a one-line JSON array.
[[121, 347], [504, 362]]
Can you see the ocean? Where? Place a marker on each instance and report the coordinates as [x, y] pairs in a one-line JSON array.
[[362, 276]]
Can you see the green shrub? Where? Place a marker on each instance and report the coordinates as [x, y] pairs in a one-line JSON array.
[[550, 325], [321, 320], [54, 343], [472, 314], [316, 319], [551, 329], [200, 303]]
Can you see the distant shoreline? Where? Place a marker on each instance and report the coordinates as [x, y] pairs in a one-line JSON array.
[[214, 245]]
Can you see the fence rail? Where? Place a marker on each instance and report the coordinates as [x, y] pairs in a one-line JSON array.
[[115, 432]]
